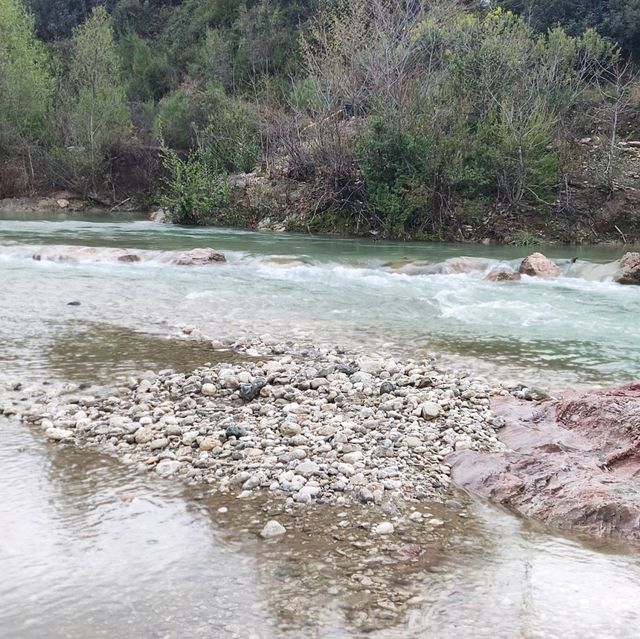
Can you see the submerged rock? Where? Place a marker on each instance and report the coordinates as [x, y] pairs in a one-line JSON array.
[[461, 264], [84, 254], [629, 269], [199, 257], [538, 265], [503, 275], [385, 528], [574, 463], [454, 265]]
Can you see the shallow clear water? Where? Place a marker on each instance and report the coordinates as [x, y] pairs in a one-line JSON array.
[[89, 548]]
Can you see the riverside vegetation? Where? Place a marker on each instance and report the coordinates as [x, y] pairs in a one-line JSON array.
[[427, 120]]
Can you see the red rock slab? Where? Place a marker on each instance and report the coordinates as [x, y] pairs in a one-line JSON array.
[[573, 463]]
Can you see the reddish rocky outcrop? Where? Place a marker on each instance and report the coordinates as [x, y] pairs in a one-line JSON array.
[[573, 463], [198, 257], [537, 265], [628, 269]]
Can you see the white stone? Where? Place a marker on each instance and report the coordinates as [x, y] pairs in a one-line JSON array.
[[143, 435], [167, 467], [307, 468], [272, 529], [189, 437], [412, 442], [352, 458], [429, 410], [209, 443], [159, 444], [208, 390], [346, 469], [369, 365], [289, 429], [385, 528], [58, 434]]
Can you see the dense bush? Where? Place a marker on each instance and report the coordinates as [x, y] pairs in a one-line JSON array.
[[616, 19], [194, 188], [395, 164]]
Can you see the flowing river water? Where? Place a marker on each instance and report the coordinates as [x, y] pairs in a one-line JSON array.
[[90, 548]]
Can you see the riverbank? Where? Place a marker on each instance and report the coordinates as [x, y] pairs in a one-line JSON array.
[[302, 423], [279, 204]]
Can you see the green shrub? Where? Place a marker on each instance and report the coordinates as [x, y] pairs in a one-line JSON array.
[[95, 112], [173, 122], [394, 164], [194, 188], [26, 81], [231, 138], [146, 72]]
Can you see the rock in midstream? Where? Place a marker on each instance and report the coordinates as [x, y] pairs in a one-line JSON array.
[[308, 424]]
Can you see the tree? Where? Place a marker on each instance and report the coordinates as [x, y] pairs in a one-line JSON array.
[[55, 19], [97, 118], [26, 82]]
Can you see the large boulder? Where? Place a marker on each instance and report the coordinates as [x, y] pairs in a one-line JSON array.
[[537, 265], [628, 269], [199, 257], [573, 463]]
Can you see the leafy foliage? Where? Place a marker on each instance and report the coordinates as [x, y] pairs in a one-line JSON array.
[[616, 19], [26, 81], [410, 115], [194, 188], [96, 115]]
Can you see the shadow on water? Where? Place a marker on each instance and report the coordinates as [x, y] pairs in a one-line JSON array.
[[585, 361], [100, 353]]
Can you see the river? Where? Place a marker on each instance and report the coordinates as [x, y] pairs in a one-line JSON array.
[[90, 548]]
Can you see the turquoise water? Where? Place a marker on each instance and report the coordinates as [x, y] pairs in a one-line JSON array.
[[551, 334]]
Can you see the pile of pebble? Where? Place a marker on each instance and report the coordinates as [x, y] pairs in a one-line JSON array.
[[311, 424]]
